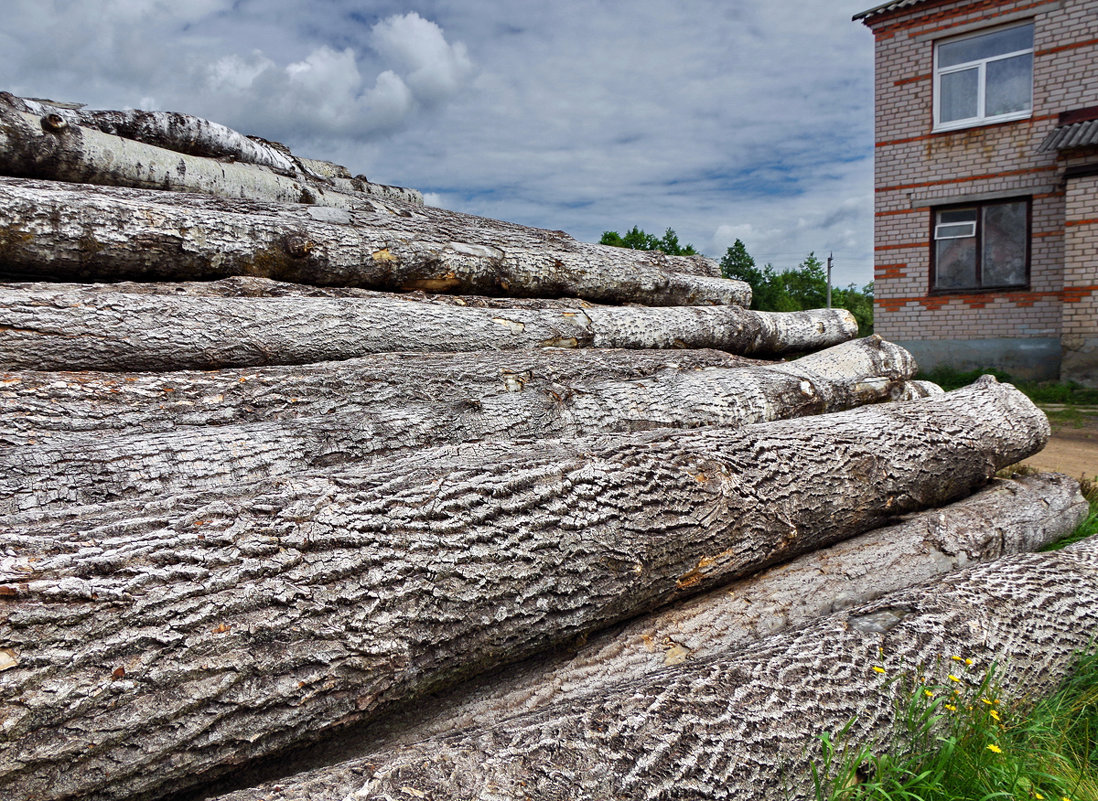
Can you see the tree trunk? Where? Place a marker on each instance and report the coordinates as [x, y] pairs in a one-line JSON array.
[[90, 467], [1010, 516], [179, 132], [34, 405], [93, 331], [64, 231], [747, 725], [144, 648]]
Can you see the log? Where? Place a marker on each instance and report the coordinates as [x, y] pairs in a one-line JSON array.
[[90, 467], [1010, 516], [184, 133], [51, 148], [747, 725], [75, 232], [94, 331], [35, 404], [147, 644]]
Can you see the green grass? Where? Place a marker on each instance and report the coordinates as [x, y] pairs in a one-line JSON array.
[[965, 742], [1069, 392]]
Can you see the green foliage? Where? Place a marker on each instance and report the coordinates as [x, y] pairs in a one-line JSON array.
[[804, 287], [1067, 392], [964, 742], [637, 239]]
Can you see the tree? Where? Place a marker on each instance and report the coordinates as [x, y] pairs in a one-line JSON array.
[[637, 239], [804, 287]]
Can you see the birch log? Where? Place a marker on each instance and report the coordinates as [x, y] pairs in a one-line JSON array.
[[1010, 516], [93, 331], [89, 468], [51, 148], [143, 651], [746, 725], [65, 231]]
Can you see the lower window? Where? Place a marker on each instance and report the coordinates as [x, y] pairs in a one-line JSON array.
[[980, 246]]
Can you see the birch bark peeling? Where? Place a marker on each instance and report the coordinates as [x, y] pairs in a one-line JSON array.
[[80, 233], [93, 331], [35, 147], [148, 650], [1008, 517], [747, 725], [90, 468]]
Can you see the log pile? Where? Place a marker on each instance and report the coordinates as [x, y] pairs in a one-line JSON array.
[[297, 471]]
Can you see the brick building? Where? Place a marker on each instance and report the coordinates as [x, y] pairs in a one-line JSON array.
[[986, 231]]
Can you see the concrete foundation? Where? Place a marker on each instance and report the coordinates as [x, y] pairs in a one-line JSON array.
[[1034, 359], [1080, 361]]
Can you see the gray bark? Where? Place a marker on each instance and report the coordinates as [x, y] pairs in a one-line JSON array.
[[35, 405], [62, 231], [1010, 516], [144, 649], [93, 331], [185, 133], [89, 468], [51, 148], [746, 725]]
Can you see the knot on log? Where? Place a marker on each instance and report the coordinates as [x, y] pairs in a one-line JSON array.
[[299, 246], [54, 123]]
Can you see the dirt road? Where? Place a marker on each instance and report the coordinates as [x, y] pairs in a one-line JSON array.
[[1073, 448]]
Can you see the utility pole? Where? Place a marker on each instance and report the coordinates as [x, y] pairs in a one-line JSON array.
[[829, 255]]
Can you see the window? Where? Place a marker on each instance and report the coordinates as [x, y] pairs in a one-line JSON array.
[[983, 78], [980, 246]]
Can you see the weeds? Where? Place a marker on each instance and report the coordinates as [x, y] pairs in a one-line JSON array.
[[961, 741]]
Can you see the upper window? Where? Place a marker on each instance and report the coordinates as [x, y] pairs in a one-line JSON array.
[[981, 246], [983, 78]]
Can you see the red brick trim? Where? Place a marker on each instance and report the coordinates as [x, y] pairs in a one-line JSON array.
[[1091, 221], [1073, 294], [1073, 45], [913, 79], [970, 10], [1046, 233], [902, 246], [940, 134], [947, 181], [898, 211]]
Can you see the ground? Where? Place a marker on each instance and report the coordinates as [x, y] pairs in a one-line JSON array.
[[1073, 448]]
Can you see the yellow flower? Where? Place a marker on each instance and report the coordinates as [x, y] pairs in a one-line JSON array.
[[953, 678], [986, 701], [995, 714], [951, 708], [968, 662], [957, 659], [928, 693], [878, 668], [1038, 796], [995, 749]]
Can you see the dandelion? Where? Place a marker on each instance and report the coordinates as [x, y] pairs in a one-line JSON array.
[[957, 658], [928, 693], [878, 668], [1038, 796], [984, 700], [994, 748], [953, 678], [995, 715], [950, 707], [968, 662]]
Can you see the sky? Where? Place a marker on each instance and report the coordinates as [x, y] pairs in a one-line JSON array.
[[718, 118]]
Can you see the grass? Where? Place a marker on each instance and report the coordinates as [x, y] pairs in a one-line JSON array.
[[1068, 392], [964, 742]]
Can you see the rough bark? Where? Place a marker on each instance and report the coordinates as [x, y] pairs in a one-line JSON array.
[[142, 650], [35, 404], [185, 133], [62, 231], [93, 331], [89, 468], [51, 148], [747, 725], [1010, 516]]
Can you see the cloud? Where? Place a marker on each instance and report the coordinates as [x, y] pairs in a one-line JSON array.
[[434, 69]]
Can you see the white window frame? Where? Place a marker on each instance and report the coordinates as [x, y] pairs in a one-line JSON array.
[[981, 64]]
